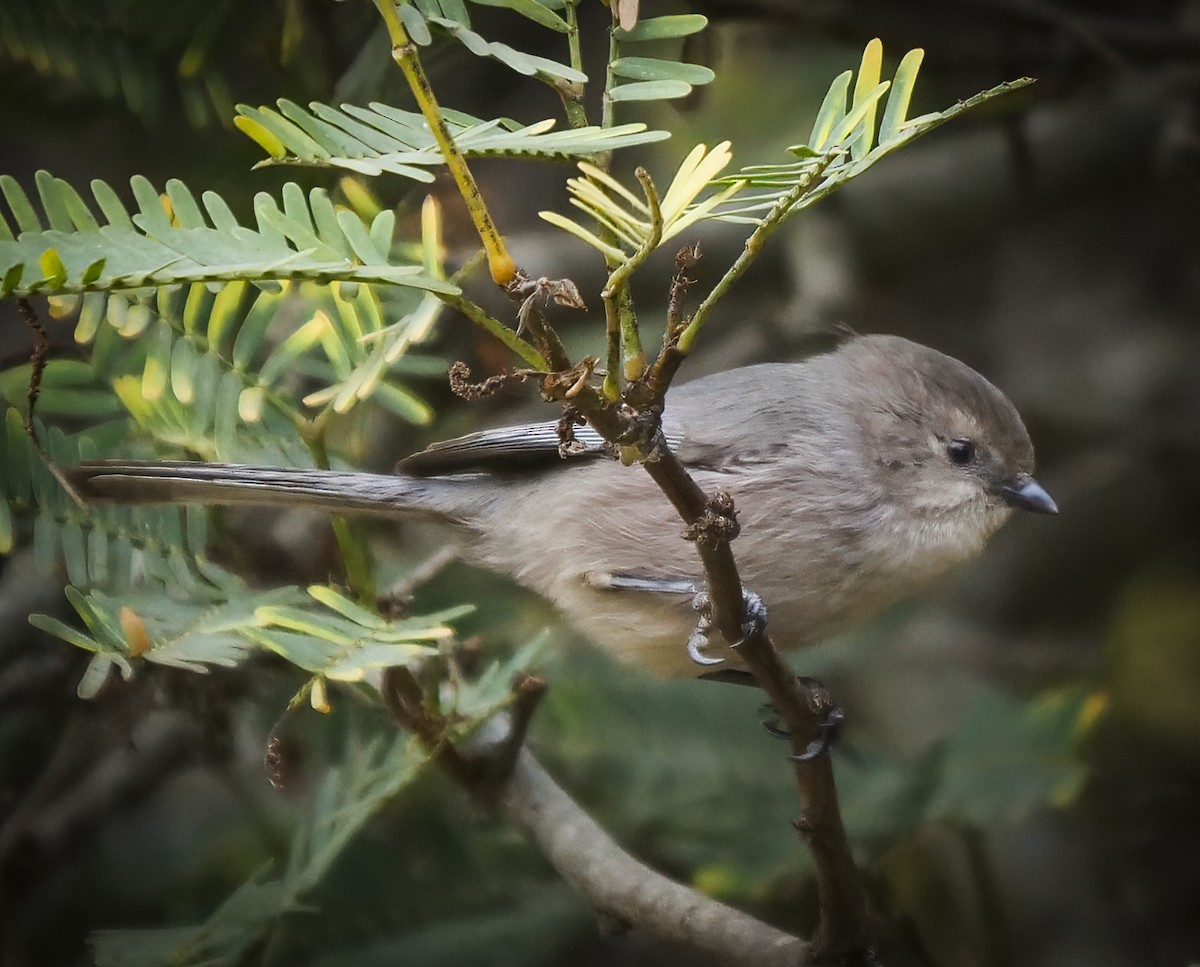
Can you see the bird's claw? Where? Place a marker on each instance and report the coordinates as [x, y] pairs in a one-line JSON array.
[[697, 642], [827, 729], [820, 746], [698, 639], [753, 623], [771, 723], [754, 620]]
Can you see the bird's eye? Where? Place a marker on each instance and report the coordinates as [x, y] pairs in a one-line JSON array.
[[961, 452]]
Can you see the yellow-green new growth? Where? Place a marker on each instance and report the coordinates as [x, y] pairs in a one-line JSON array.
[[628, 217]]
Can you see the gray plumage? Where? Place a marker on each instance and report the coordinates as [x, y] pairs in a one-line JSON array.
[[849, 471]]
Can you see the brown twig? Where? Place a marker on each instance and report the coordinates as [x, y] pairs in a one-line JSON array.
[[530, 295], [37, 362], [568, 446], [498, 773], [621, 887], [651, 390], [842, 935], [461, 385]]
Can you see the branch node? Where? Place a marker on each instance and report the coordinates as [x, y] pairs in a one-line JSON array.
[[568, 384], [716, 524]]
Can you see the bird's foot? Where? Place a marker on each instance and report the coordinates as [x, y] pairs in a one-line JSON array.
[[754, 622], [827, 728]]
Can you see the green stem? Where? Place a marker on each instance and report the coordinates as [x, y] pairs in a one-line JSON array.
[[631, 337], [570, 92], [494, 327], [612, 332], [576, 54], [618, 303], [404, 53], [603, 159], [784, 207]]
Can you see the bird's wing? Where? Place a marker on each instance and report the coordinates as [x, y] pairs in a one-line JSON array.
[[506, 449]]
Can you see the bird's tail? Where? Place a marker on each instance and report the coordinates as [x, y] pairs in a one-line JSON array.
[[167, 482]]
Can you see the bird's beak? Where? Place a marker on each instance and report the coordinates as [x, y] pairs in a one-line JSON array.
[[1026, 493]]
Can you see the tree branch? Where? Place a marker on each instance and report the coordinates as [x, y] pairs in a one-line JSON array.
[[498, 774], [616, 883]]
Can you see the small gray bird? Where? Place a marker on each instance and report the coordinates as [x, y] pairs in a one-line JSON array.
[[858, 476]]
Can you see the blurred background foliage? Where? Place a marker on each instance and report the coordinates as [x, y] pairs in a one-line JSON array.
[[1021, 763]]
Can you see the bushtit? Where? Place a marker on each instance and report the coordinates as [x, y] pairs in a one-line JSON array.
[[858, 475]]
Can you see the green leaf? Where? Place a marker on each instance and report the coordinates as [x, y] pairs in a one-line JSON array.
[[371, 776], [850, 130], [415, 25], [628, 217], [299, 648], [336, 601], [225, 418], [403, 403], [18, 202], [531, 9], [53, 271], [261, 135], [650, 91], [896, 111], [383, 139], [837, 149], [72, 636], [95, 675], [45, 545], [158, 362], [527, 64], [292, 348], [148, 250], [654, 69], [663, 28]]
